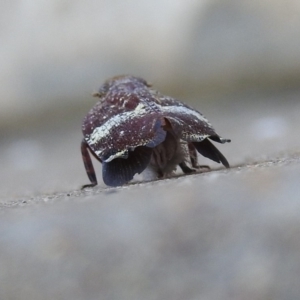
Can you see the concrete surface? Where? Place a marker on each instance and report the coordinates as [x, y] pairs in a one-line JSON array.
[[221, 235], [224, 234]]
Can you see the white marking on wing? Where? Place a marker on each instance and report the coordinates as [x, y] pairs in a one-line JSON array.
[[186, 111], [105, 130], [194, 137], [122, 154]]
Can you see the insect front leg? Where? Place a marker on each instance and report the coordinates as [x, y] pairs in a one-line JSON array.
[[88, 164]]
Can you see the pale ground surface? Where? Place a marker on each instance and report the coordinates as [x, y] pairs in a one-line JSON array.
[[225, 234]]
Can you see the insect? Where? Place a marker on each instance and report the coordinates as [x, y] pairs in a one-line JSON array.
[[133, 127]]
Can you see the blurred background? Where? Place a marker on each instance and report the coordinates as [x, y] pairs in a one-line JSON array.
[[238, 62]]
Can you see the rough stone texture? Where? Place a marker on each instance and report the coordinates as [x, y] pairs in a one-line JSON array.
[[223, 235]]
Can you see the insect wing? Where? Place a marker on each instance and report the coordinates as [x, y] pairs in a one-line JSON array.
[[119, 171], [124, 132], [188, 123]]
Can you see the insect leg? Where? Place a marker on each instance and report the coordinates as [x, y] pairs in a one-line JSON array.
[[194, 157], [88, 164], [185, 169]]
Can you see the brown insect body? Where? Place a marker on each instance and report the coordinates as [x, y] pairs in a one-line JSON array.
[[133, 127]]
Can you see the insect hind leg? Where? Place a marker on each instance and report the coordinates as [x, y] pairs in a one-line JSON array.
[[194, 157], [185, 168]]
